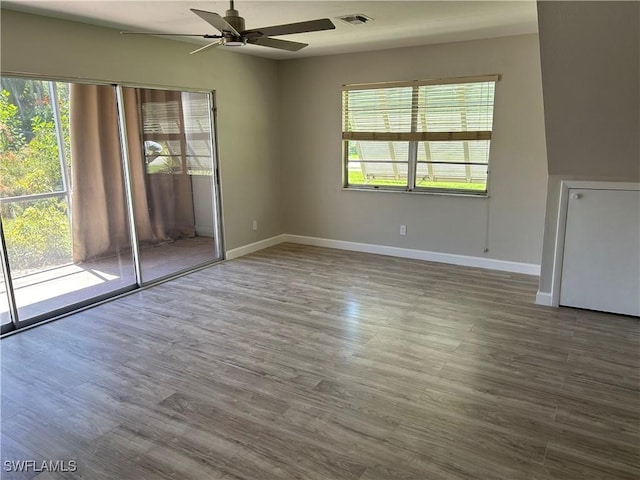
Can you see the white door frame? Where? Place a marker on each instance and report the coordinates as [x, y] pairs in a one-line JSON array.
[[558, 256]]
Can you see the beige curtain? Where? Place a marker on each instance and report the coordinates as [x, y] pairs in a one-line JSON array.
[[163, 202], [169, 195]]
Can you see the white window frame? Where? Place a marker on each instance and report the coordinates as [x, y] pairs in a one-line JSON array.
[[413, 138]]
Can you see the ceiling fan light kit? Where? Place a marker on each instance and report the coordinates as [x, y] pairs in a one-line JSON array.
[[233, 33], [230, 42]]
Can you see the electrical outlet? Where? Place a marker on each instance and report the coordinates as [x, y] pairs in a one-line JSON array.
[[255, 225], [403, 229]]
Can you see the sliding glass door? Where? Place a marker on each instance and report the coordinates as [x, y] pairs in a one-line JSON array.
[[172, 183], [63, 205], [5, 318], [84, 218], [7, 313]]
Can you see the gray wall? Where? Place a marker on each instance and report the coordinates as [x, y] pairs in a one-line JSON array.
[[246, 88], [590, 54], [279, 133], [316, 204]]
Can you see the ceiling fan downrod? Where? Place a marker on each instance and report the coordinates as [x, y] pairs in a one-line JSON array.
[[233, 18]]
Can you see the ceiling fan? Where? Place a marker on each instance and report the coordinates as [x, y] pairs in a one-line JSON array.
[[233, 33]]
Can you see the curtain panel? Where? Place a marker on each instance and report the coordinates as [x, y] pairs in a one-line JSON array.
[[163, 204]]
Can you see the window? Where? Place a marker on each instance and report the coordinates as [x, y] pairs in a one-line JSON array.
[[175, 128], [419, 136]]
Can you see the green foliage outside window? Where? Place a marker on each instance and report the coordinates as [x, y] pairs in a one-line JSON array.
[[37, 232]]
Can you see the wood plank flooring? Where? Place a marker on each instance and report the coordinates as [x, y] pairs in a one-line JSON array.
[[299, 362], [53, 288]]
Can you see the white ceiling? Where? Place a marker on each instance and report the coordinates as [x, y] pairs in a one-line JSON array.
[[395, 23]]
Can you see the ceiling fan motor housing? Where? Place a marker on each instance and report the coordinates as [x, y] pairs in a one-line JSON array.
[[234, 19]]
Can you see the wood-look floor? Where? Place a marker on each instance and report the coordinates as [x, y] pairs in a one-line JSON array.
[[307, 363]]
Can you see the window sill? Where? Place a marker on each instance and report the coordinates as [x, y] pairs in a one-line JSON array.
[[417, 192]]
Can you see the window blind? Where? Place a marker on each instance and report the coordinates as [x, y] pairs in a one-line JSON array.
[[420, 111], [430, 135]]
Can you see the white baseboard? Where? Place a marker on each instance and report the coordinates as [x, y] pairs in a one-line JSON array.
[[254, 247], [467, 261], [544, 298]]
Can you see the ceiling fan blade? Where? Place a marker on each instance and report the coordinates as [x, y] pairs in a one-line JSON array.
[[277, 43], [290, 28], [216, 21], [214, 44], [172, 34]]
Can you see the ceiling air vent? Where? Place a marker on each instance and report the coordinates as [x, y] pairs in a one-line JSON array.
[[355, 18]]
